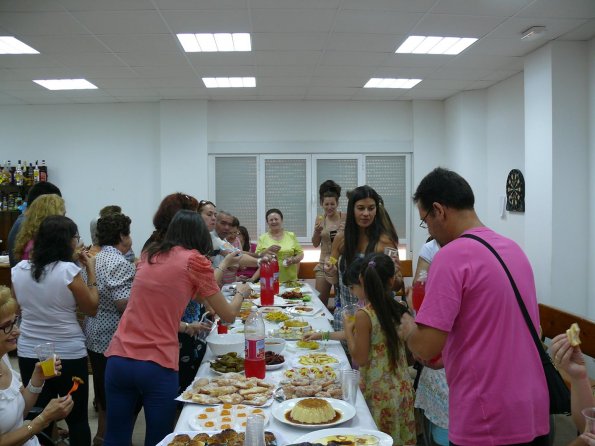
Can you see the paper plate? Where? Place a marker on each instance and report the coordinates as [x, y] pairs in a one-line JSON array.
[[314, 437]]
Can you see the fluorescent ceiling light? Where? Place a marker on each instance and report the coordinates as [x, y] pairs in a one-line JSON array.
[[10, 45], [435, 45], [202, 42], [376, 82], [229, 82], [66, 84]]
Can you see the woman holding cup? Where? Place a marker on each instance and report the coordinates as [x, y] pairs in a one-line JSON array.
[[16, 400], [49, 287]]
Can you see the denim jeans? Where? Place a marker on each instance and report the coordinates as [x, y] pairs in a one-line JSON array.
[[128, 380]]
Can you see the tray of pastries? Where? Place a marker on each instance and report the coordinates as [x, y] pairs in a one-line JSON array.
[[231, 388], [229, 437]]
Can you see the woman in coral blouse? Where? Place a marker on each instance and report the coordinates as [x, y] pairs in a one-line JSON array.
[[143, 355]]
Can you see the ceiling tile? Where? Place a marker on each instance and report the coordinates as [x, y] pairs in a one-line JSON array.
[[191, 5], [106, 5], [30, 6], [284, 70], [504, 8], [127, 43], [376, 22], [88, 59], [292, 20], [288, 41], [41, 24], [514, 27], [455, 25], [220, 59], [121, 22], [288, 81], [65, 44], [208, 21], [586, 31], [292, 4], [390, 5], [138, 59], [384, 43], [27, 61], [288, 58], [354, 58], [568, 9]]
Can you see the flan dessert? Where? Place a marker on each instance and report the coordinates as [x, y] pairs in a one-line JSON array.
[[313, 411]]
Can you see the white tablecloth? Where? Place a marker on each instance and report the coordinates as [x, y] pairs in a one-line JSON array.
[[363, 418]]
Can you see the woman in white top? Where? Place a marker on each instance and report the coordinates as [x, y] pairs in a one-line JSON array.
[[49, 288], [16, 400]]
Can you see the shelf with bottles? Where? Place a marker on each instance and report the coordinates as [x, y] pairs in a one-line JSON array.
[[15, 182]]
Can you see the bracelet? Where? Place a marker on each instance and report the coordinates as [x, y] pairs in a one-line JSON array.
[[332, 261], [34, 389], [326, 335], [29, 429]]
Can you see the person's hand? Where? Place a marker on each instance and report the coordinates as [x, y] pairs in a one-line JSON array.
[[312, 336], [242, 278], [86, 260], [244, 289], [231, 260], [58, 408], [406, 326], [588, 438], [568, 358], [318, 227], [274, 249], [329, 267]]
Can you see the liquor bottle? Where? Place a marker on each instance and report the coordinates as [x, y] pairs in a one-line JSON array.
[[43, 172], [36, 174], [267, 294], [254, 333], [275, 267], [18, 175], [29, 175], [10, 171]]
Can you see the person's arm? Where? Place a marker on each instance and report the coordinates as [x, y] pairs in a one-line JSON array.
[[325, 335], [227, 311], [317, 235], [33, 389], [230, 261], [422, 265], [358, 335], [424, 342], [85, 294], [330, 268], [570, 360], [387, 242]]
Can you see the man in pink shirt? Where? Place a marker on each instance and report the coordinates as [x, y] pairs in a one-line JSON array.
[[498, 392]]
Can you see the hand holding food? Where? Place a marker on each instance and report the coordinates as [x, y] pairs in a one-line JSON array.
[[568, 358], [57, 409], [573, 334]]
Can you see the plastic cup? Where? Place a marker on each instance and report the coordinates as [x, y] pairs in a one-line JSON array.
[[393, 253], [589, 414], [47, 357], [349, 312], [349, 385]]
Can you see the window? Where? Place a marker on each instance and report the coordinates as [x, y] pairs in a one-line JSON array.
[[248, 185]]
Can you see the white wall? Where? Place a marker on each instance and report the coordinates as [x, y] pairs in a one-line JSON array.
[[591, 169], [97, 154]]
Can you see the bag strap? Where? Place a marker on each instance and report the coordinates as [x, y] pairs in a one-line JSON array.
[[526, 316]]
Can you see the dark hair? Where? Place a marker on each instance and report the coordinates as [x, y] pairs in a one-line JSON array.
[[273, 211], [53, 243], [42, 189], [329, 189], [445, 187], [110, 209], [376, 270], [111, 227], [188, 230], [203, 203], [382, 224], [246, 236], [235, 223], [169, 206]]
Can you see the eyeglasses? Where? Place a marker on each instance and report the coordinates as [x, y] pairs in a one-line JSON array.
[[422, 223], [7, 329]]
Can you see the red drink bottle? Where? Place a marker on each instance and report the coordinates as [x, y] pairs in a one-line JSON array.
[[254, 332], [266, 284], [275, 266], [419, 290]]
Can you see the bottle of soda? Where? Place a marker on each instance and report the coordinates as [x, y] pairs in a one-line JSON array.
[[254, 332], [419, 290], [221, 327], [267, 293], [275, 266], [338, 316]]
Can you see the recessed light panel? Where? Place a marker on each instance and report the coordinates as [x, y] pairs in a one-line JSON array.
[[66, 84], [10, 45], [229, 82], [376, 82], [196, 43], [434, 45]]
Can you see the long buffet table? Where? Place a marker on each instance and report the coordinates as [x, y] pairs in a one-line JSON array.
[[320, 321]]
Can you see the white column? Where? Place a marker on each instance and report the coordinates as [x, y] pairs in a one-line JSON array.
[[557, 175]]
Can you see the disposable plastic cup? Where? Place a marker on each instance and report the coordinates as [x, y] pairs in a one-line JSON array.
[[47, 357], [349, 385], [589, 414], [349, 312]]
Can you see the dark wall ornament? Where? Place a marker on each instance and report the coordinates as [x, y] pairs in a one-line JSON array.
[[515, 191]]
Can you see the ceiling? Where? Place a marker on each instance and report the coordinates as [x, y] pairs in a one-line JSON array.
[[301, 49]]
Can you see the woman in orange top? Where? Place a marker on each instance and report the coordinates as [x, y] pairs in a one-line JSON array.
[[143, 354]]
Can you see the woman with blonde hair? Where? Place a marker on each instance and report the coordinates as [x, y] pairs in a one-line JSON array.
[[42, 207]]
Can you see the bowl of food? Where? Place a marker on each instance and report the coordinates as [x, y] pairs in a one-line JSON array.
[[220, 344], [275, 345]]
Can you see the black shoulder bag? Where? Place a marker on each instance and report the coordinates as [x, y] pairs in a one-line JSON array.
[[559, 393]]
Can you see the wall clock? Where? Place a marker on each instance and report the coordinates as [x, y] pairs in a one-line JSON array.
[[515, 191]]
